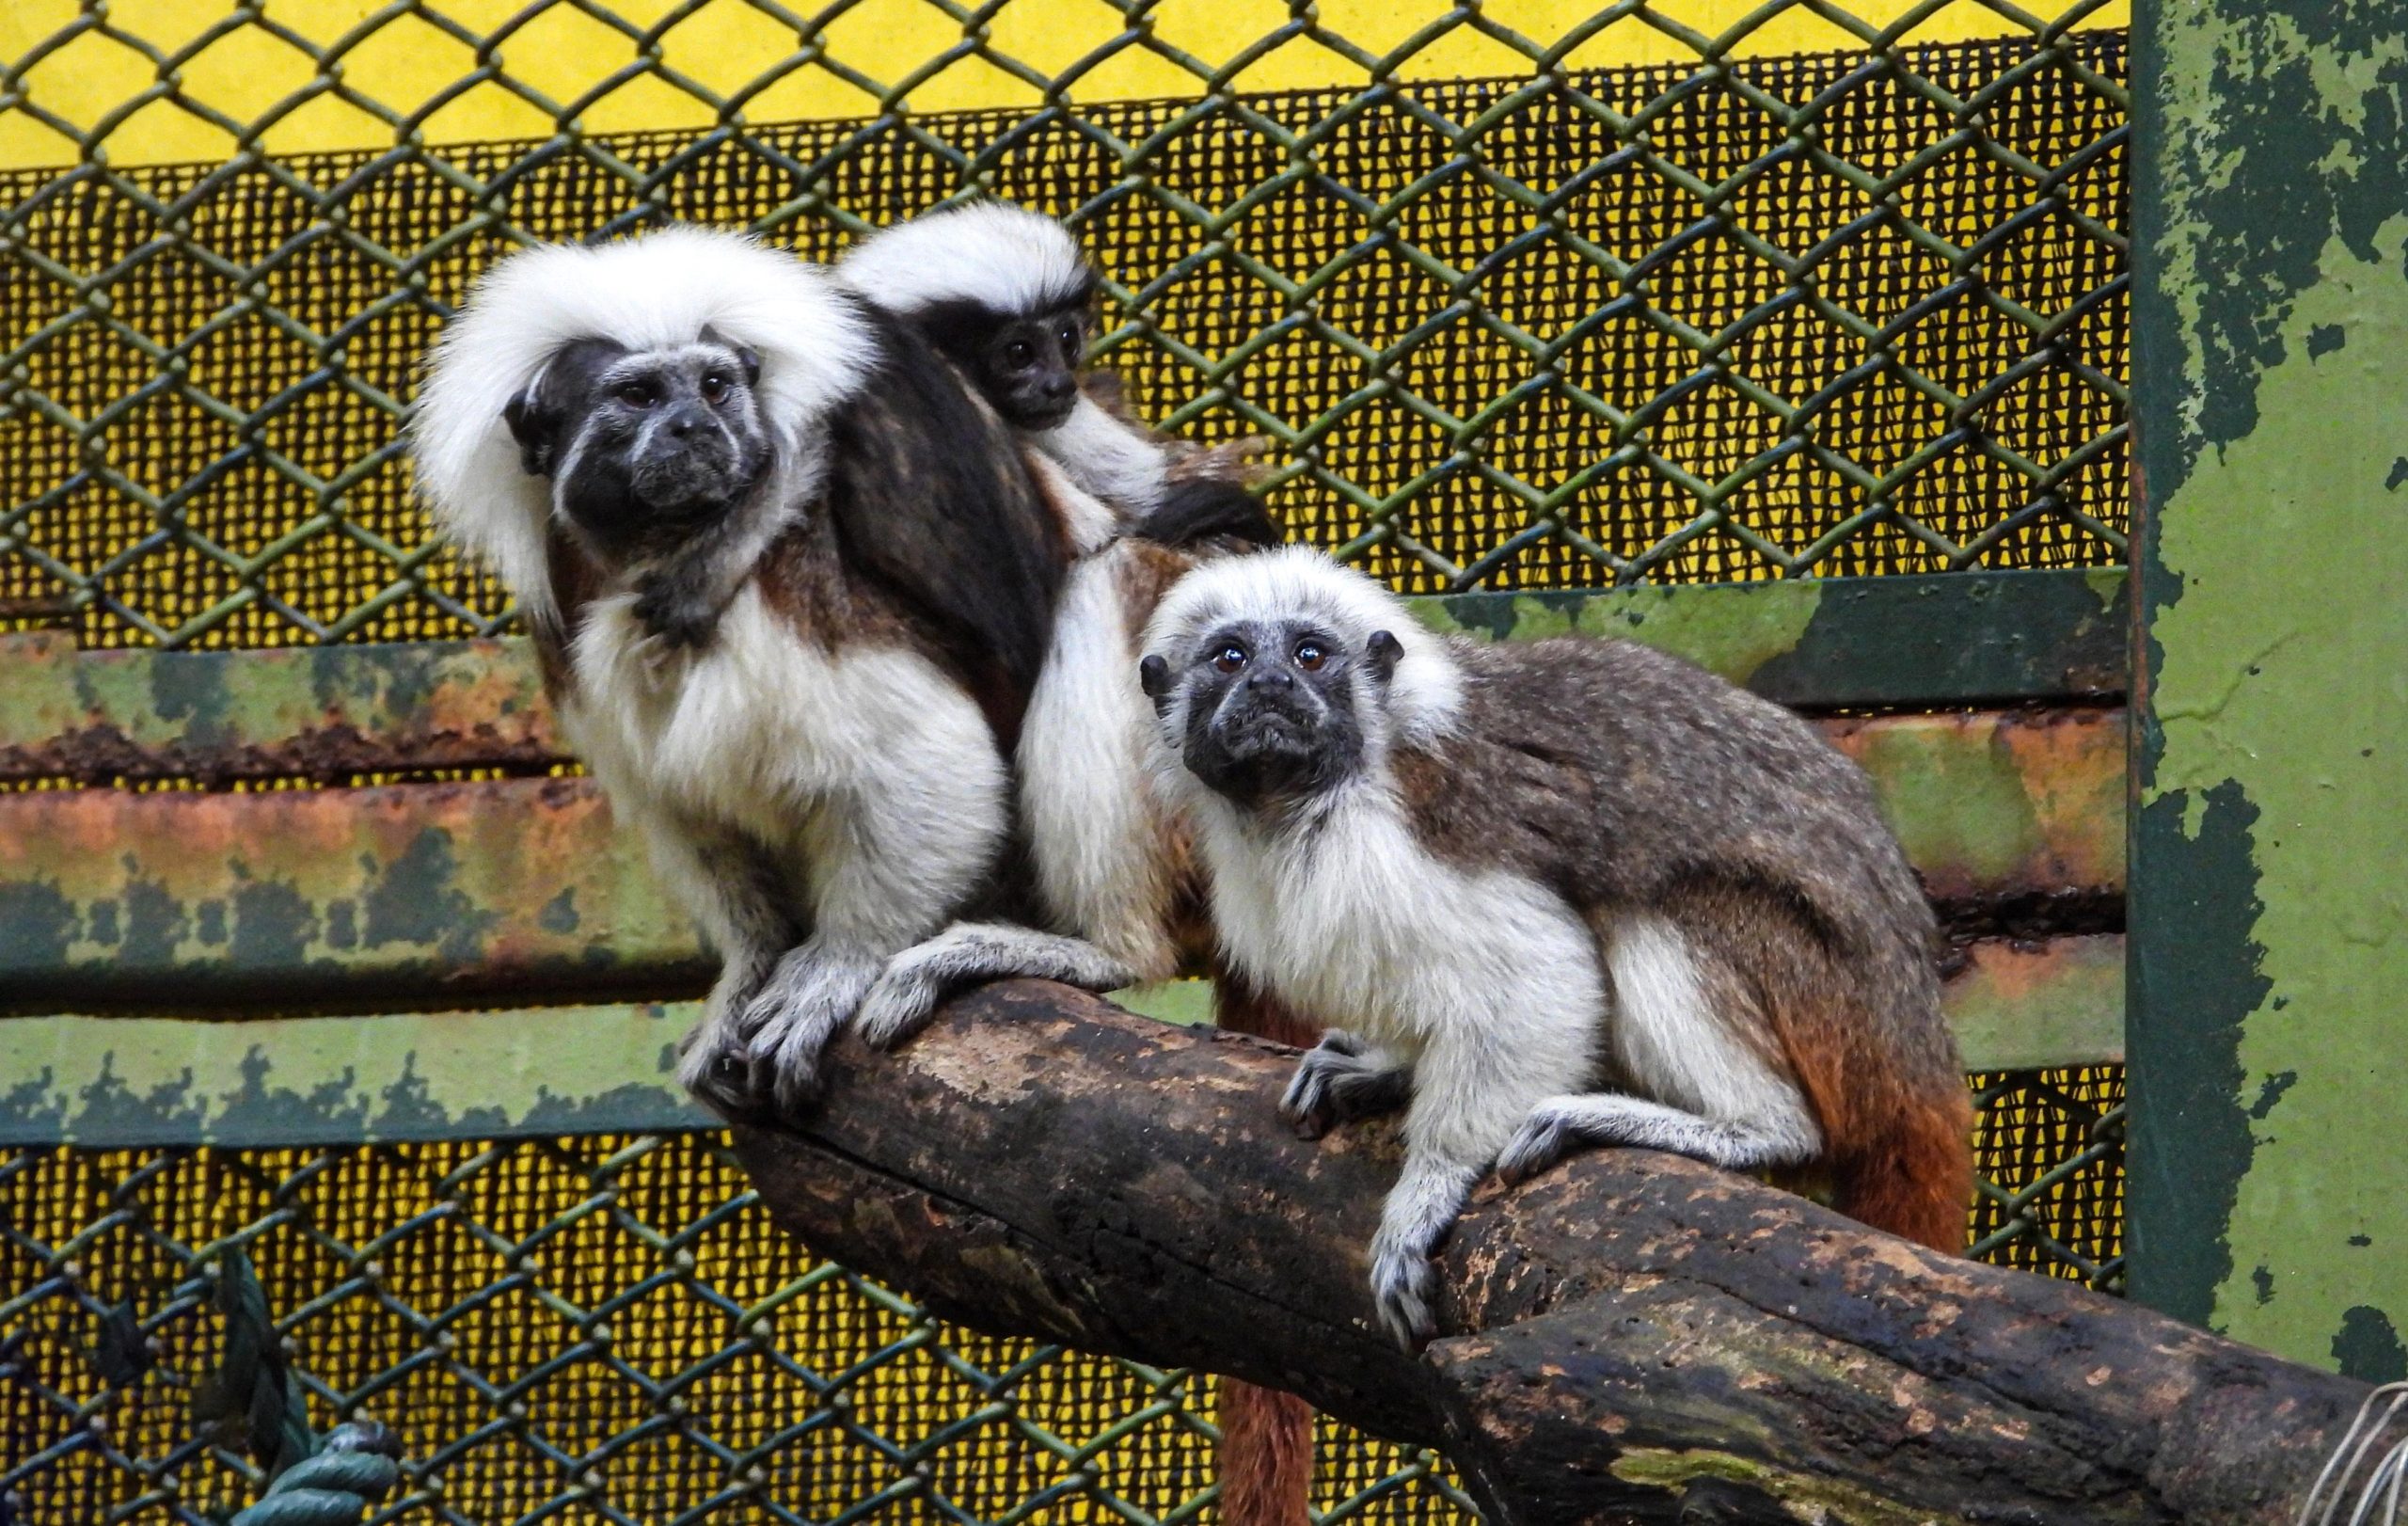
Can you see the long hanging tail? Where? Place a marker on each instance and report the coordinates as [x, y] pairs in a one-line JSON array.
[[1266, 1461], [1915, 1178]]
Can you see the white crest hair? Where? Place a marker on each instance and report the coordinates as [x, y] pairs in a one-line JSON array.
[[654, 290], [1005, 258], [1299, 583]]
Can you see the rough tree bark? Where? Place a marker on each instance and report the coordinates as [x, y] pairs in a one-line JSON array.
[[1631, 1338], [1265, 1465]]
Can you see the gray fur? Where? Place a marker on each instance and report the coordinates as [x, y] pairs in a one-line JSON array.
[[1341, 1080], [1622, 776], [1569, 891]]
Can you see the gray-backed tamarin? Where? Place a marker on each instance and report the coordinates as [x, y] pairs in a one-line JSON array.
[[1573, 891], [1007, 296], [791, 586]]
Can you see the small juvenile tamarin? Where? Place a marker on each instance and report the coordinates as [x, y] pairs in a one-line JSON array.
[[1568, 892], [1008, 296]]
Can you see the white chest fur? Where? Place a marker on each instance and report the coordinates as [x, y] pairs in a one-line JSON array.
[[1339, 920], [760, 729]]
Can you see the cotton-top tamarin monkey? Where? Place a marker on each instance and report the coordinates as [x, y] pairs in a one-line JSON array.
[[1571, 892], [1009, 295], [791, 584]]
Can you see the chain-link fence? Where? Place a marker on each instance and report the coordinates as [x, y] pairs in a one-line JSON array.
[[1524, 295], [611, 1329], [1739, 316]]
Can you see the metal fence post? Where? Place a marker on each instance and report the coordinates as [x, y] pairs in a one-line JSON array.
[[2269, 910]]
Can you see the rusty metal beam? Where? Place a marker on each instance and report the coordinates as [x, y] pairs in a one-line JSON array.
[[181, 898], [336, 712], [312, 713], [1997, 805], [112, 897], [127, 1081]]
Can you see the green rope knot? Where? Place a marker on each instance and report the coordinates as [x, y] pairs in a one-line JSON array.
[[336, 1487], [253, 1393]]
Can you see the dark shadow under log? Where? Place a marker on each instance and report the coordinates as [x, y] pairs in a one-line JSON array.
[[1631, 1338]]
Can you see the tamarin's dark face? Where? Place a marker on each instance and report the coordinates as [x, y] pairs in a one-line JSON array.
[[644, 448], [1027, 368], [1272, 710]]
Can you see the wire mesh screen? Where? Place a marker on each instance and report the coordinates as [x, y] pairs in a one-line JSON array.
[[611, 1329], [1764, 310], [1738, 317]]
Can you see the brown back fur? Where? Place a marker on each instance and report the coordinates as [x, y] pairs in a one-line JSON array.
[[1623, 778]]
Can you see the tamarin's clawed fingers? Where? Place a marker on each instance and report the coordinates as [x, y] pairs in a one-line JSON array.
[[1336, 1082], [917, 980]]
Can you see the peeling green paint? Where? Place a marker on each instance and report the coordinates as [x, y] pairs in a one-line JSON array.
[[344, 709], [2000, 804], [2269, 919], [2284, 711], [2368, 1348], [129, 1081], [126, 1081], [330, 711], [1954, 639], [112, 897], [2032, 1007]]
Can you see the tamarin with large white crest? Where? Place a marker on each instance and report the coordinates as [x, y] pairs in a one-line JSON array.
[[791, 584], [1570, 892], [1007, 295]]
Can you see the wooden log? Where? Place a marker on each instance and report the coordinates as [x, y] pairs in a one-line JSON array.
[[1629, 1338]]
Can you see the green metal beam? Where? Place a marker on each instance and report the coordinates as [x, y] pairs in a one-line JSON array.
[[148, 1081], [323, 712], [287, 896], [2269, 931], [333, 711], [145, 1081], [407, 892], [1954, 639]]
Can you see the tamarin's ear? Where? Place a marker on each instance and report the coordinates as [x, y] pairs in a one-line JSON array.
[[533, 426], [1154, 677], [1382, 653]]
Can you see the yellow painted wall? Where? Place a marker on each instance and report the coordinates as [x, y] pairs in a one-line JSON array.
[[234, 77]]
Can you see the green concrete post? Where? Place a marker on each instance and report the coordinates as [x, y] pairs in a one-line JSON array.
[[2269, 972]]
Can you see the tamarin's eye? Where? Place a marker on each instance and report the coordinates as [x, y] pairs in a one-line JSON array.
[[638, 394], [1070, 339], [714, 388], [1019, 353], [1229, 658], [1309, 656]]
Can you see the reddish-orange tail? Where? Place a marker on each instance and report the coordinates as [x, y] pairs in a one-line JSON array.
[[1266, 1455], [1915, 1178]]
